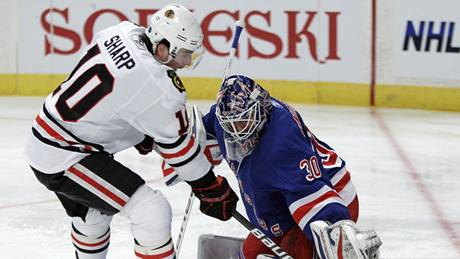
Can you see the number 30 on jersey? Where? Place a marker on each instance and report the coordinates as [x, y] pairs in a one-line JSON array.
[[312, 167]]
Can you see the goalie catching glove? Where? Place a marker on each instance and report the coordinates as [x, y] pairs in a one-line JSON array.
[[217, 199], [344, 240]]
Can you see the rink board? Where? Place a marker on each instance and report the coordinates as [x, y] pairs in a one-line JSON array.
[[434, 98], [307, 52]]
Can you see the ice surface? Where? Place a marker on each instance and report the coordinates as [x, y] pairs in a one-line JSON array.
[[405, 165]]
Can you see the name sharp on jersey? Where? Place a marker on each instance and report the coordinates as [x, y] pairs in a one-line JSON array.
[[115, 48]]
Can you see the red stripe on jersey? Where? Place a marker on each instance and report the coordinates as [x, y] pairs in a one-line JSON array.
[[89, 244], [181, 152], [55, 134], [166, 171], [301, 211], [353, 209], [49, 130], [342, 182], [331, 156], [158, 256], [96, 185]]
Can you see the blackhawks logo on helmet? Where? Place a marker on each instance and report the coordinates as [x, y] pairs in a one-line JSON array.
[[176, 81]]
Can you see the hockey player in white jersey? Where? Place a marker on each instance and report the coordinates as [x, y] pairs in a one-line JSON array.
[[124, 92]]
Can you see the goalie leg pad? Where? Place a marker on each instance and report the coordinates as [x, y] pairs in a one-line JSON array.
[[91, 237]]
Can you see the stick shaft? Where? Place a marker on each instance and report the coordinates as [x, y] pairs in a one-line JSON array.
[[261, 236], [188, 209], [236, 38]]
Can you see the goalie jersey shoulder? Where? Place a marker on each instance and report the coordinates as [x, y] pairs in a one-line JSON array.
[[282, 146]]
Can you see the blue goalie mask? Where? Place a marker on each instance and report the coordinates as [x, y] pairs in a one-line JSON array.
[[243, 107]]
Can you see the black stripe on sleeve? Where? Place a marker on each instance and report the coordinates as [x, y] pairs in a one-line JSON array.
[[198, 150], [172, 145]]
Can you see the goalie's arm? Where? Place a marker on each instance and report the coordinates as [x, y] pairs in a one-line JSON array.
[[323, 204], [331, 231], [309, 194]]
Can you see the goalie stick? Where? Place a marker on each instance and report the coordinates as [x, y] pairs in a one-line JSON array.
[[261, 236]]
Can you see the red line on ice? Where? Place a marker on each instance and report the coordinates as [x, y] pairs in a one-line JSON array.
[[33, 203], [424, 190]]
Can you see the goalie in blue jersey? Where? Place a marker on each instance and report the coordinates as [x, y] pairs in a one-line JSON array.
[[295, 188]]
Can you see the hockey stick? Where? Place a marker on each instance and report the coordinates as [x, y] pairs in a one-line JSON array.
[[188, 209], [239, 26], [261, 236], [198, 132]]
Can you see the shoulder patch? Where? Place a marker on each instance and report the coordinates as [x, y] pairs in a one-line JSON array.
[[138, 42], [176, 81]]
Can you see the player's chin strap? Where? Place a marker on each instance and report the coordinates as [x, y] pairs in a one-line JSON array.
[[344, 240], [170, 58]]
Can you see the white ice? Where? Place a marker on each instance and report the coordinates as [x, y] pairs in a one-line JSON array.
[[405, 165]]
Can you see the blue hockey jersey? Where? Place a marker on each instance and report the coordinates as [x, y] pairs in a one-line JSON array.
[[291, 178]]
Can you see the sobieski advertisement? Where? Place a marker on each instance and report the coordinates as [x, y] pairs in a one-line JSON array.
[[311, 41]]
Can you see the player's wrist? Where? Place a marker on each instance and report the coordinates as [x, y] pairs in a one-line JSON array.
[[207, 180]]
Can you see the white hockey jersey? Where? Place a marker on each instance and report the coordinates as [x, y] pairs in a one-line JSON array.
[[116, 94]]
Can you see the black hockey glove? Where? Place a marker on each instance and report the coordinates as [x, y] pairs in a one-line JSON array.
[[146, 146], [217, 199]]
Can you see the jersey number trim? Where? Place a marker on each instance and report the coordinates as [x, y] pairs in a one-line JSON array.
[[94, 96], [329, 159], [183, 121], [312, 168]]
